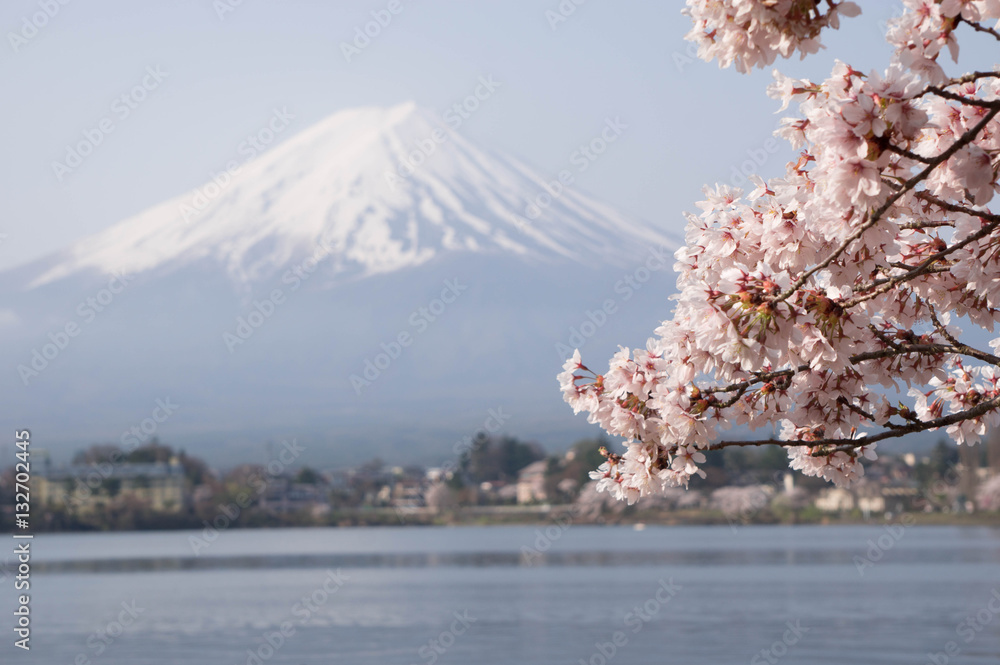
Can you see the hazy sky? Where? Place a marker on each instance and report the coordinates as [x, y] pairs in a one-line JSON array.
[[687, 122]]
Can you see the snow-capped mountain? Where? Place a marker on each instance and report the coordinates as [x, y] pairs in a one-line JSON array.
[[328, 292], [381, 189]]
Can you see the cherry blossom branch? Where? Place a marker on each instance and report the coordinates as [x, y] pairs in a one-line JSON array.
[[906, 153], [843, 401], [927, 224], [929, 271], [762, 377], [955, 207], [847, 445], [856, 221], [962, 99], [973, 412], [959, 80], [973, 76], [886, 284], [958, 346], [962, 141], [894, 350], [883, 337]]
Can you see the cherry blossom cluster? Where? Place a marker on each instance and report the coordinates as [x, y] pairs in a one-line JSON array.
[[930, 26], [750, 33], [818, 303]]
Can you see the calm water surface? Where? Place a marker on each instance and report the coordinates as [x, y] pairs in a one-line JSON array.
[[806, 594]]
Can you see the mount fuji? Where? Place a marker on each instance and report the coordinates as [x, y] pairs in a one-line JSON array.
[[374, 285]]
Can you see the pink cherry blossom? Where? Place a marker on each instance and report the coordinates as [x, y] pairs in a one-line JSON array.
[[821, 303]]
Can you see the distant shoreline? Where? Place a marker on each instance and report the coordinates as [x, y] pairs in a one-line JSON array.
[[560, 515]]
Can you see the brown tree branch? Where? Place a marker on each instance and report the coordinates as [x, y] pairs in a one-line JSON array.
[[909, 154], [847, 445], [978, 27], [924, 195], [962, 99]]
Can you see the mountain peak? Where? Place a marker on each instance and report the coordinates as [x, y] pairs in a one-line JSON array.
[[363, 120], [404, 109], [385, 187]]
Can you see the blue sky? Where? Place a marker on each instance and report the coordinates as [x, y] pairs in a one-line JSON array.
[[688, 122]]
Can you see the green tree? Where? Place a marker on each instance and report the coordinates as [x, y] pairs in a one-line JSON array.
[[943, 457], [308, 476]]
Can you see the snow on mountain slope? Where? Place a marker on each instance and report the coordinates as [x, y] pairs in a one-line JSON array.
[[328, 187]]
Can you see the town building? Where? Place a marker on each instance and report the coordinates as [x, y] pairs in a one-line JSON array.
[[90, 488]]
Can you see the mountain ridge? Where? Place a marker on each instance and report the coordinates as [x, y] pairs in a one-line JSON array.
[[330, 185]]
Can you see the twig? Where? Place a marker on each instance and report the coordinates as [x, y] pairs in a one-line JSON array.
[[980, 28]]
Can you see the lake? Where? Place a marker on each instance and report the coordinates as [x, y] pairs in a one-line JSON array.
[[515, 595]]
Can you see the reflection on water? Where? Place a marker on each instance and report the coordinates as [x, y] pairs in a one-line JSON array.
[[529, 557], [527, 597]]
